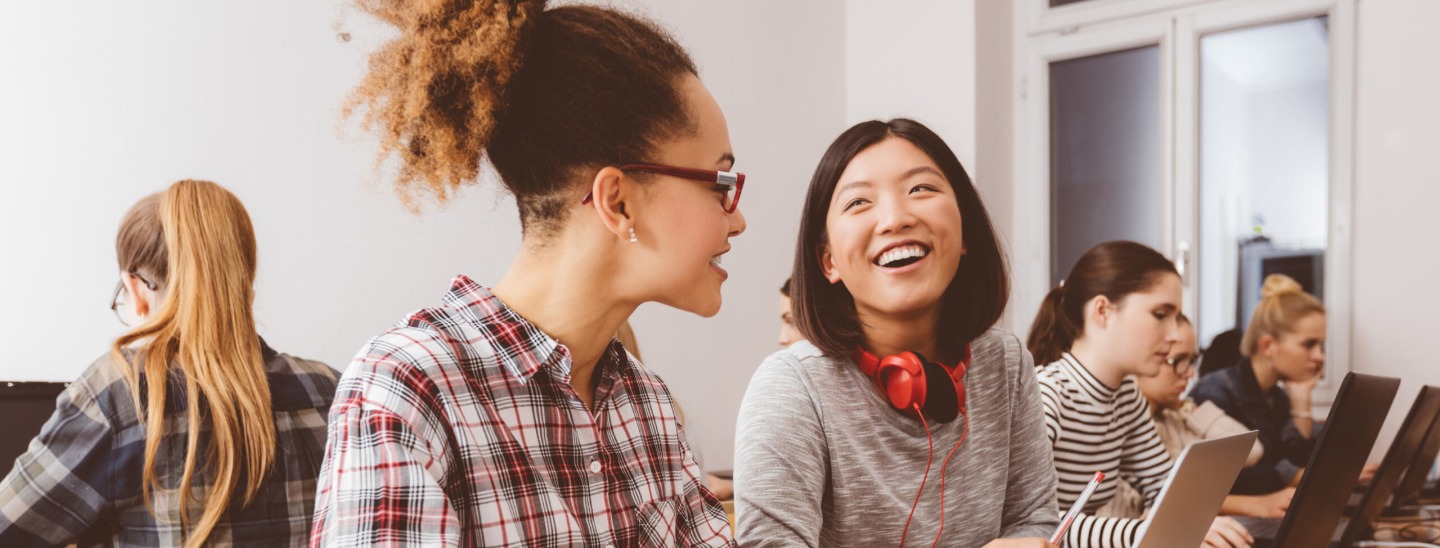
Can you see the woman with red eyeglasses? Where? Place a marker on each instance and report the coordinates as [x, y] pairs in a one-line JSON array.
[[510, 415]]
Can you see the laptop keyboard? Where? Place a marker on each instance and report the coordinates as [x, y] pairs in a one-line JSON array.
[[1262, 528]]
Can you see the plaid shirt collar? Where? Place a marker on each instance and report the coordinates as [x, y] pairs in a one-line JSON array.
[[533, 349]]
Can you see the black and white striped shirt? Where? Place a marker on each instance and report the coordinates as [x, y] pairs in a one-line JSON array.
[[1095, 427]]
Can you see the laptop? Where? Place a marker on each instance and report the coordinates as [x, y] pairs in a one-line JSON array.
[[1334, 466], [1191, 497], [1407, 442], [25, 406], [1412, 486]]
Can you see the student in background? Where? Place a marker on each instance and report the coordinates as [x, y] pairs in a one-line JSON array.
[[897, 262], [1285, 341], [191, 430], [788, 332], [1181, 422], [1114, 317], [512, 416]]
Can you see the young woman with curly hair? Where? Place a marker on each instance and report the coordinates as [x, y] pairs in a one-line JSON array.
[[510, 415]]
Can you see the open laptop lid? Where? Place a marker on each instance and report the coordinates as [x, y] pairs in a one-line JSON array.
[[1408, 490], [25, 406], [1407, 441], [1335, 464], [1191, 497]]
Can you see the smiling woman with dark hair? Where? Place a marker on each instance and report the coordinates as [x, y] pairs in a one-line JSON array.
[[847, 435]]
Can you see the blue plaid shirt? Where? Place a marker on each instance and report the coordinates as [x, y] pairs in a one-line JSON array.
[[79, 482]]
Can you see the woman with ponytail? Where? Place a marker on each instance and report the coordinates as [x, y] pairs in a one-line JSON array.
[[511, 416], [191, 430], [1285, 341], [1114, 317]]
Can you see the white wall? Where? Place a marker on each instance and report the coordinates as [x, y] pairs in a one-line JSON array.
[[103, 103], [1397, 187], [106, 104], [914, 59]]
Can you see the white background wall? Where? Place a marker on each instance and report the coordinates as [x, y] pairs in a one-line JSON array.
[[1397, 186], [914, 59], [103, 103]]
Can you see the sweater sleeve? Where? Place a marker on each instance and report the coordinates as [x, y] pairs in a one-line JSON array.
[[781, 460], [1030, 494]]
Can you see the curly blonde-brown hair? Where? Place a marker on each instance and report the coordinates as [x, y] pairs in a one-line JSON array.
[[432, 93], [542, 94]]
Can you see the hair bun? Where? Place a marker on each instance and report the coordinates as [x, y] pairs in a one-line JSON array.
[[1279, 285], [433, 92]]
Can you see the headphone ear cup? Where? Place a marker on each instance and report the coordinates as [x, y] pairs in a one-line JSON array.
[[942, 403], [903, 378]]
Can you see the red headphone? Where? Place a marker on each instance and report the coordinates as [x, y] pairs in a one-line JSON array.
[[910, 380]]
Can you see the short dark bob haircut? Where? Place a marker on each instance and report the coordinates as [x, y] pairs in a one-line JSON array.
[[976, 298]]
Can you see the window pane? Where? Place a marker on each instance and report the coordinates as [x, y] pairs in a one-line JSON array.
[[1264, 165], [1105, 178]]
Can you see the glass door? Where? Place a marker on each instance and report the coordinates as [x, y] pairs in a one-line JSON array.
[[1216, 132]]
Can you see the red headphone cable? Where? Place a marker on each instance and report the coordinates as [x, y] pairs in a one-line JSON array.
[[928, 459], [944, 468]]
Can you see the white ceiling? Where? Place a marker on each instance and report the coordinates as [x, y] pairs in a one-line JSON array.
[[1278, 55]]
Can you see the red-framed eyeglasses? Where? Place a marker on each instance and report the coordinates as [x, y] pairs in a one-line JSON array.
[[733, 181]]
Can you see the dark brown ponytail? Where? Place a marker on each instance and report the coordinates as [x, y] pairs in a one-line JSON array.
[[1052, 333]]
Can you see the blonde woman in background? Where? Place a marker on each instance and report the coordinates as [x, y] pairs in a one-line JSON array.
[[1285, 341], [191, 430]]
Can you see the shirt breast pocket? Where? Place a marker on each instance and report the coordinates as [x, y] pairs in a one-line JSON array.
[[658, 527]]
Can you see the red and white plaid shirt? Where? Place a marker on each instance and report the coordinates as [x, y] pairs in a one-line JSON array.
[[459, 427]]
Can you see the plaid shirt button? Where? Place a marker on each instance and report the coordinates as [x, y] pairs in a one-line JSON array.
[[595, 466]]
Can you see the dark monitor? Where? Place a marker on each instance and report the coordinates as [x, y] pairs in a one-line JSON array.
[[1259, 260], [1335, 464], [1402, 451], [25, 407], [1407, 492]]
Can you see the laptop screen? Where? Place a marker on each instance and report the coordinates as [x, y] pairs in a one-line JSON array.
[[1409, 488], [26, 406], [1407, 441], [1334, 467]]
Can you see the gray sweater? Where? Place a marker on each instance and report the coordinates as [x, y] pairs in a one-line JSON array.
[[821, 459]]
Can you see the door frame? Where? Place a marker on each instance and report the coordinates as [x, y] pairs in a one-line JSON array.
[[1045, 35]]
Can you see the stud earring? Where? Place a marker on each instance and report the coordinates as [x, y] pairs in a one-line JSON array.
[[633, 240]]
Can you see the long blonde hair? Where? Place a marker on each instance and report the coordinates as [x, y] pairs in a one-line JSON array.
[[1282, 303], [196, 241]]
